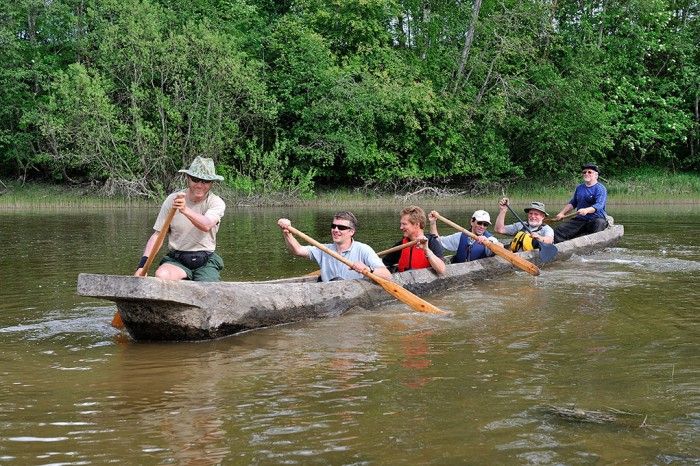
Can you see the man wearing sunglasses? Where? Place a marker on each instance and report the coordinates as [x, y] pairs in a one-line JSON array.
[[589, 200], [192, 232], [467, 249], [343, 230]]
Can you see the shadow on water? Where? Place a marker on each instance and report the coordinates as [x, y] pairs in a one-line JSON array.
[[613, 332]]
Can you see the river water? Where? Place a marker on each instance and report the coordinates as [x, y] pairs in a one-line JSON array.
[[615, 333]]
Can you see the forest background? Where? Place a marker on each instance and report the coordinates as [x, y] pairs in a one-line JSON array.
[[293, 96]]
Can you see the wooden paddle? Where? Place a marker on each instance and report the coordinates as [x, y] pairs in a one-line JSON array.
[[390, 287], [386, 252], [514, 259], [117, 321], [547, 251], [549, 220]]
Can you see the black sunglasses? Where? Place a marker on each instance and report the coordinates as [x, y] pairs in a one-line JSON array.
[[199, 180], [483, 224], [340, 227]]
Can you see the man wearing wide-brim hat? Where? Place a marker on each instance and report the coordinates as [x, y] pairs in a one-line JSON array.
[[525, 235], [589, 200], [192, 231]]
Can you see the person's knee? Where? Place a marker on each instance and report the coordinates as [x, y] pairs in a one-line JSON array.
[[170, 272], [599, 224], [596, 225]]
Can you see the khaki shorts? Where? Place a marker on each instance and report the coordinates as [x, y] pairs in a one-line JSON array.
[[209, 272]]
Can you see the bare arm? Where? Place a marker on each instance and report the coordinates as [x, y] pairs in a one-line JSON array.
[[542, 238], [500, 226], [201, 222], [432, 219], [567, 208], [289, 239], [361, 267], [147, 250], [383, 272], [435, 262]]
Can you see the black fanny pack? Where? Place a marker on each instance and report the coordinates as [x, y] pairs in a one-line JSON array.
[[191, 259]]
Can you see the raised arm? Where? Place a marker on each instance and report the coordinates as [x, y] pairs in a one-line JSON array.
[[289, 239], [432, 220], [201, 222], [500, 226]]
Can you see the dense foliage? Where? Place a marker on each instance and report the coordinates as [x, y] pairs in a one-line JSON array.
[[286, 95]]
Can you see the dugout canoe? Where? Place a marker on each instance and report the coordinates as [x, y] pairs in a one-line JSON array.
[[157, 309]]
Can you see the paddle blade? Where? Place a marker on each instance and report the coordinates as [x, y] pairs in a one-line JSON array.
[[117, 321], [402, 294], [547, 252], [514, 259]]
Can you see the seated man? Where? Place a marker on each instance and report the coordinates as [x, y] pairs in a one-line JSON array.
[[589, 201], [192, 231], [528, 235], [467, 249], [427, 252], [343, 229]]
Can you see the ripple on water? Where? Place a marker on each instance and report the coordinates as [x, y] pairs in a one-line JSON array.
[[90, 321]]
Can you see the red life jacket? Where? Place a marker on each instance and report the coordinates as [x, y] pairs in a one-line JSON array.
[[412, 258]]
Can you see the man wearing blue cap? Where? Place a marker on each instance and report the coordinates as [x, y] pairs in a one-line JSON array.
[[589, 201]]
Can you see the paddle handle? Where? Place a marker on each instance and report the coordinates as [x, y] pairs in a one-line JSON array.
[[408, 244], [517, 261], [565, 217], [159, 241], [389, 286], [117, 321], [525, 225]]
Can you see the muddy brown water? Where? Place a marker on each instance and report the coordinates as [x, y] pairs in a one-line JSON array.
[[617, 330]]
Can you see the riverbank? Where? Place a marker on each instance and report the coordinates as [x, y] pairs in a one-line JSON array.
[[638, 188]]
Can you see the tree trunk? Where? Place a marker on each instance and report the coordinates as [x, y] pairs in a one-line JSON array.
[[468, 40]]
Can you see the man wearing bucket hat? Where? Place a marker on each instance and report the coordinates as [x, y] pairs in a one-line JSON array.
[[192, 235], [467, 249], [527, 235], [589, 200]]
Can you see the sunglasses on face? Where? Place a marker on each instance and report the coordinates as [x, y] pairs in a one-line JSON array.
[[483, 224], [587, 172], [199, 180], [340, 227]]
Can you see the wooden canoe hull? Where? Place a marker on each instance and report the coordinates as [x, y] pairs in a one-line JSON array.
[[157, 309]]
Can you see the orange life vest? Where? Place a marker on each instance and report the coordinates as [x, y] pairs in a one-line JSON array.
[[412, 258]]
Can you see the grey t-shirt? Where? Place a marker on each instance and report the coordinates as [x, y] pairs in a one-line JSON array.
[[513, 228], [333, 269], [183, 235]]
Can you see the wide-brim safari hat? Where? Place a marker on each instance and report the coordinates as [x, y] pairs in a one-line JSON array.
[[202, 168], [537, 206]]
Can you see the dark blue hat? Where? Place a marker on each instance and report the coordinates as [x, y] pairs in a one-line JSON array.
[[590, 166]]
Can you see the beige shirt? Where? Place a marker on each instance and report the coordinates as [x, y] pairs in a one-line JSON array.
[[183, 235]]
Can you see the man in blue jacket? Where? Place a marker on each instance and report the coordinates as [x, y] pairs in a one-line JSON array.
[[589, 201]]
